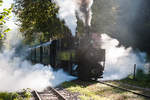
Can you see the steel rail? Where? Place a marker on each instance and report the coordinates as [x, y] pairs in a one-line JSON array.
[[61, 97], [57, 93], [37, 95]]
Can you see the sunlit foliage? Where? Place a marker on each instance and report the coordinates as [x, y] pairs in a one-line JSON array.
[[39, 20], [4, 16]]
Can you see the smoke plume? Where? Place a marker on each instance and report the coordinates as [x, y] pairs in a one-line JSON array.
[[84, 11], [67, 12], [17, 73], [70, 9], [120, 60]]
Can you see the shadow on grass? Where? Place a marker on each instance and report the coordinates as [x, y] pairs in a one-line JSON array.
[[78, 82]]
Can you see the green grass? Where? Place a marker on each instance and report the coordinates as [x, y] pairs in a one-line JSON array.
[[97, 91], [8, 96], [141, 79], [86, 93], [25, 95]]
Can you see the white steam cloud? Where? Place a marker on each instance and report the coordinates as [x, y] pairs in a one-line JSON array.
[[67, 12], [70, 9], [17, 73], [84, 11], [120, 60]]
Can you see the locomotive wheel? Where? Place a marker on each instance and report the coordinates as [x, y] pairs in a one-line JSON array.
[[97, 71], [86, 72], [83, 72]]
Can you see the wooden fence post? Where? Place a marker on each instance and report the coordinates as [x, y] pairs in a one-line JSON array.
[[134, 74], [41, 54], [35, 55]]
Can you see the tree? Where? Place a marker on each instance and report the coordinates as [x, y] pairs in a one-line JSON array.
[[39, 20], [126, 20]]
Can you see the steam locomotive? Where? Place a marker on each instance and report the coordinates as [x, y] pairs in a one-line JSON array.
[[77, 56]]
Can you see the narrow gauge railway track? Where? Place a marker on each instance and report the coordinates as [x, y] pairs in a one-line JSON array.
[[49, 94], [124, 89]]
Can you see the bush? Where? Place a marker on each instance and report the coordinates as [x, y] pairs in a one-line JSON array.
[[25, 95], [8, 96], [141, 76]]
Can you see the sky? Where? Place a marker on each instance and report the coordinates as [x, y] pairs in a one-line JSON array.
[[7, 3]]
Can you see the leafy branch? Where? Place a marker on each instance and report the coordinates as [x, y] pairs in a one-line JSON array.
[[4, 16]]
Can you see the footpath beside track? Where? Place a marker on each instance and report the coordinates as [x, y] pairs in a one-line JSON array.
[[122, 88]]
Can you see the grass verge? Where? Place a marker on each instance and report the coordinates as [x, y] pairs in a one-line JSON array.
[[141, 79], [97, 91], [25, 95]]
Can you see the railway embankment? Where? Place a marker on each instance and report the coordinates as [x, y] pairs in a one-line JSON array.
[[130, 88]]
